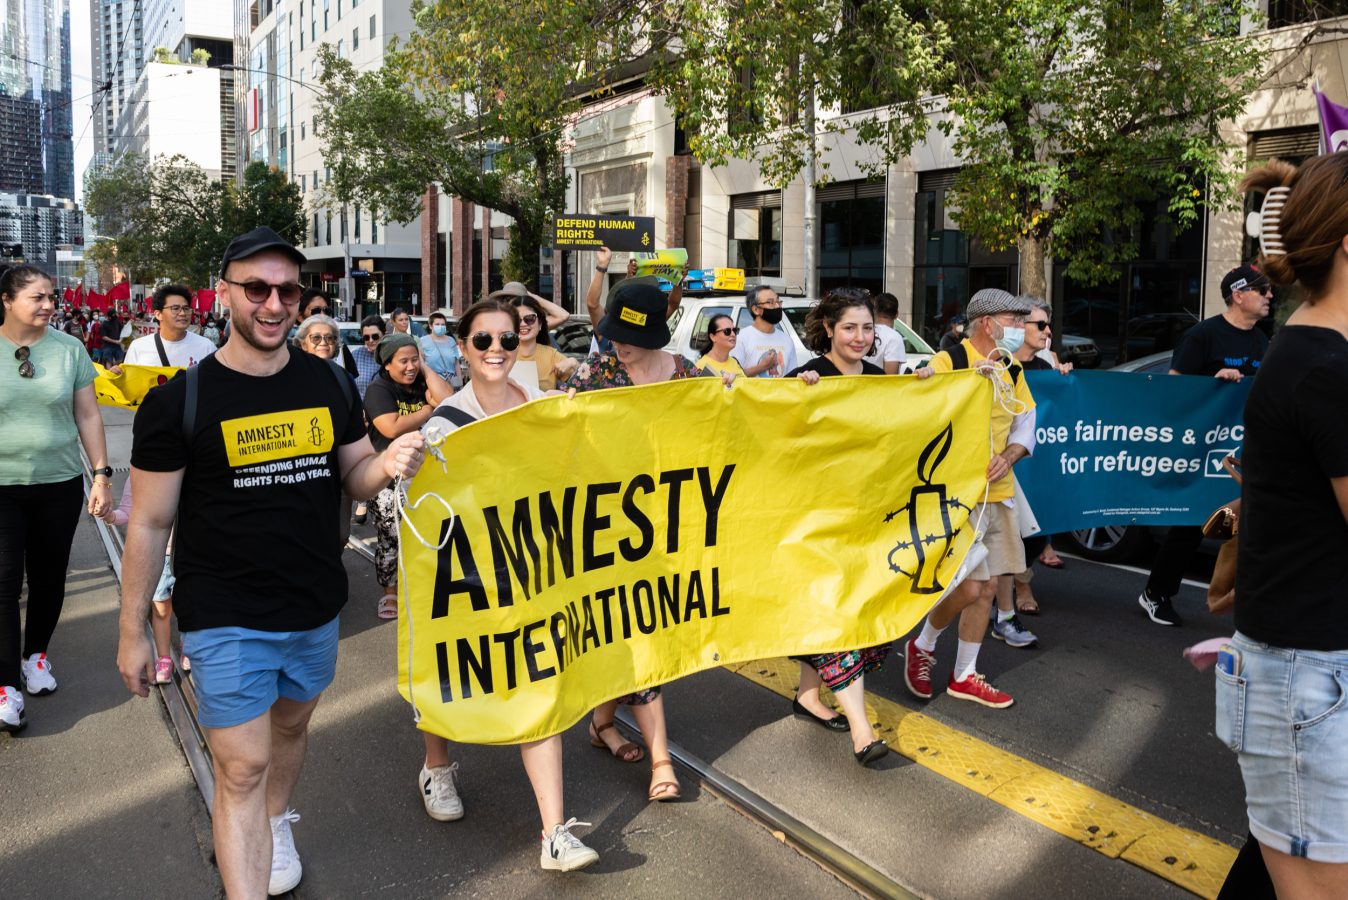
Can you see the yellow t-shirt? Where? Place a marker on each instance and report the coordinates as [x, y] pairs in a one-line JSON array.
[[545, 357], [731, 365], [1001, 418]]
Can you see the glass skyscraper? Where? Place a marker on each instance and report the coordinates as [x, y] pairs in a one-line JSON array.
[[37, 155]]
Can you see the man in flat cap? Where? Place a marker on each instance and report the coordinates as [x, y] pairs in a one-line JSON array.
[[995, 332], [249, 451]]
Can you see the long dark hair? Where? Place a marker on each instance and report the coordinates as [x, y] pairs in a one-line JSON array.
[[543, 337], [14, 279], [828, 311]]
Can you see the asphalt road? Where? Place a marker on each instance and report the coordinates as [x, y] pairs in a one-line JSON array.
[[96, 801]]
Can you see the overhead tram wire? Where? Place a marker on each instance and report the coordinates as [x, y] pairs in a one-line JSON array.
[[106, 87]]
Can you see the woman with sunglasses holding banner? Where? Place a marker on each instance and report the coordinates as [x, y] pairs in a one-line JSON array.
[[723, 334], [47, 405], [489, 335]]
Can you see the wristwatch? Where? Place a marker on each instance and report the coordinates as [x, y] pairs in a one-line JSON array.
[[106, 470]]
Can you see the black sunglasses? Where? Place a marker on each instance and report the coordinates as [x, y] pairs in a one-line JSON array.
[[1042, 326], [371, 337], [318, 310], [260, 291], [725, 331], [25, 366], [482, 341], [531, 319]]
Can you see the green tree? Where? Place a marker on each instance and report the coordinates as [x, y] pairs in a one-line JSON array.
[[1071, 117], [476, 102], [167, 219], [1065, 115]]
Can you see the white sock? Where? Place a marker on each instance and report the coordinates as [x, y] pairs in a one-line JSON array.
[[1004, 614], [926, 641], [966, 660]]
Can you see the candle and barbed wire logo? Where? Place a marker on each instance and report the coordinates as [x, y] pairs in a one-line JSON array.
[[925, 546]]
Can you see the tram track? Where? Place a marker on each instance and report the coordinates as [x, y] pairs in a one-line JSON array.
[[180, 701]]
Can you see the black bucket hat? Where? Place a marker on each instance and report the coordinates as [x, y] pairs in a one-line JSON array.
[[636, 314]]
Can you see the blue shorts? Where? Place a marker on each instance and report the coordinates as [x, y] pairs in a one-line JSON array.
[[1285, 713], [239, 673], [164, 589]]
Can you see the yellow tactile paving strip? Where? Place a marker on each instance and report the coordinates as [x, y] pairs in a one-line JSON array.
[[1190, 860]]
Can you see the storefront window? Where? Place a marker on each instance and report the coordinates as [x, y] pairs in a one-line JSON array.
[[852, 236], [756, 234]]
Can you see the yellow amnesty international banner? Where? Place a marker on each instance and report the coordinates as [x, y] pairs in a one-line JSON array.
[[621, 539], [128, 389]]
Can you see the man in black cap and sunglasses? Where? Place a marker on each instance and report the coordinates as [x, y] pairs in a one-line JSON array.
[[249, 451], [1227, 347]]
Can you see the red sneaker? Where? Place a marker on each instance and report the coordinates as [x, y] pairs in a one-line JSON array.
[[977, 689], [917, 665]]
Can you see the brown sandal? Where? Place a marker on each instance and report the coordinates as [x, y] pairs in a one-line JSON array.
[[655, 794], [621, 752]]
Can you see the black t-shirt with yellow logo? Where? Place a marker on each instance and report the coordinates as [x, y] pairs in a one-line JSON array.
[[256, 542], [384, 396]]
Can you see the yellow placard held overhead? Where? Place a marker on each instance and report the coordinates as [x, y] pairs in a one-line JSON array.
[[675, 527], [667, 264], [128, 389]]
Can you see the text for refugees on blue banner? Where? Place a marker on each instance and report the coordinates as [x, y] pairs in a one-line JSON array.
[[1122, 447]]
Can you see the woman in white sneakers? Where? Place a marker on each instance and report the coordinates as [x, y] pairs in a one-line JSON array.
[[47, 409]]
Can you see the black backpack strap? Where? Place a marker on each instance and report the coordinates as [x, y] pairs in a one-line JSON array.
[[343, 382], [959, 357], [163, 354], [1015, 369], [456, 416], [190, 405]]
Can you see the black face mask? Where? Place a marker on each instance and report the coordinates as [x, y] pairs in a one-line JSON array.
[[771, 316]]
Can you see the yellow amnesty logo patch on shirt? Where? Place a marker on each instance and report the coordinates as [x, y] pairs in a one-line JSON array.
[[279, 435], [631, 315]]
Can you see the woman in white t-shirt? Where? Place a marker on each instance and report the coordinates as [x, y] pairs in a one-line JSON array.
[[489, 335]]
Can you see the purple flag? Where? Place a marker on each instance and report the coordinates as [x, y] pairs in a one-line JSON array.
[[1333, 124]]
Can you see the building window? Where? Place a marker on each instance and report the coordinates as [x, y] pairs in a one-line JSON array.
[[852, 236], [341, 48], [756, 234], [328, 231], [1295, 12], [301, 130], [315, 228], [357, 216], [342, 224], [371, 27], [355, 38]]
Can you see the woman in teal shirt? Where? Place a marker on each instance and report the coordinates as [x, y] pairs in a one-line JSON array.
[[47, 407]]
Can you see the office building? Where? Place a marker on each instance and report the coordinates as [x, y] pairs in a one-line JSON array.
[[37, 154]]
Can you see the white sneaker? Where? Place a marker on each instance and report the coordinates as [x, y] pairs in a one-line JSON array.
[[286, 870], [11, 710], [563, 851], [37, 677], [438, 793]]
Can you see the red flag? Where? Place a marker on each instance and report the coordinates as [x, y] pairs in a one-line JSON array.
[[79, 294], [205, 301], [68, 296], [98, 301], [120, 291]]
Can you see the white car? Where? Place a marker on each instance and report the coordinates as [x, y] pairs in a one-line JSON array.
[[688, 327]]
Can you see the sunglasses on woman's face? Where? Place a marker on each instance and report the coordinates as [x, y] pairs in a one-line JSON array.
[[371, 338], [1042, 326], [530, 320], [25, 365], [726, 331], [319, 340], [482, 341]]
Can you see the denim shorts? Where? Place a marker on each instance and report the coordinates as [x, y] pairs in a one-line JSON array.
[[164, 589], [239, 673], [1285, 713]]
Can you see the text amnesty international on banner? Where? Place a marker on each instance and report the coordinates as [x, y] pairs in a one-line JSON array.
[[625, 538]]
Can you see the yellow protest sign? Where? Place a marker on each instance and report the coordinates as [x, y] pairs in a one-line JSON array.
[[674, 527], [667, 264], [128, 389]]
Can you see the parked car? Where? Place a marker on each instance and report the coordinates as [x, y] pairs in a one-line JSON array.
[[688, 326], [1081, 352], [1125, 543]]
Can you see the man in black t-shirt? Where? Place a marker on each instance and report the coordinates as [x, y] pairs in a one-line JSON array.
[[1227, 347], [250, 452]]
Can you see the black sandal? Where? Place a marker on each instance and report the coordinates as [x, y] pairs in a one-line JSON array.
[[871, 752]]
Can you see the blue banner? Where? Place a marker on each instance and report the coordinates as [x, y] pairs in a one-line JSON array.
[[1121, 447]]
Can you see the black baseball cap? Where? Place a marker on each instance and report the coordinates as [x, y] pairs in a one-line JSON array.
[[254, 242], [635, 314], [1242, 278]]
